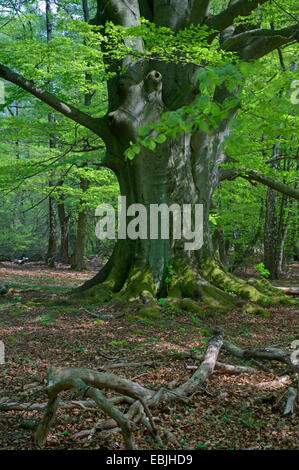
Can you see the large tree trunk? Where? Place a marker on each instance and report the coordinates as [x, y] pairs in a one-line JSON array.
[[184, 171], [177, 172]]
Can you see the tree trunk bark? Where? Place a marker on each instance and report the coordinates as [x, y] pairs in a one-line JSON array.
[[270, 234], [52, 242], [64, 233], [78, 256], [271, 230], [182, 171], [178, 172]]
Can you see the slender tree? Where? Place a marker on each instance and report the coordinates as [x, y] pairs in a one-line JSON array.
[[78, 256], [52, 242]]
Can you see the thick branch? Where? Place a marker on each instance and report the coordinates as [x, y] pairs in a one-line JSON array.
[[291, 401], [96, 125], [199, 10], [226, 18], [122, 12], [270, 354], [258, 42], [205, 369], [261, 178]]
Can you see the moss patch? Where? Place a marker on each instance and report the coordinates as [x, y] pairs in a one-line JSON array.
[[191, 306], [149, 312], [254, 310]]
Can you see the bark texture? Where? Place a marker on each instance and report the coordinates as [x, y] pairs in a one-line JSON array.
[[186, 171]]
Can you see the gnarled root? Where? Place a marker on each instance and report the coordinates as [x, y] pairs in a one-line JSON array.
[[291, 401], [87, 383], [140, 400], [270, 353]]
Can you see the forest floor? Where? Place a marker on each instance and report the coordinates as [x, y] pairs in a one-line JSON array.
[[232, 412]]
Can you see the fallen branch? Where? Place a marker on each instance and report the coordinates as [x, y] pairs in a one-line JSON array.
[[124, 364], [87, 382], [291, 401], [281, 382], [294, 291], [61, 379], [271, 354], [15, 406], [206, 368], [263, 367], [228, 368], [83, 404]]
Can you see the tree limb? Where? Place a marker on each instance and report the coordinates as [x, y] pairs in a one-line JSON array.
[[226, 18], [291, 401], [97, 126], [206, 368], [122, 12], [199, 10], [270, 354], [256, 43], [261, 178]]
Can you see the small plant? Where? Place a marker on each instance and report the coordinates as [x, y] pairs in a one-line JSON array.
[[170, 273], [78, 350], [201, 446], [118, 343], [162, 302], [196, 320], [246, 418], [265, 273], [178, 354]]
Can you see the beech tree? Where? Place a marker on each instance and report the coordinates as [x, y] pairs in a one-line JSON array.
[[186, 168]]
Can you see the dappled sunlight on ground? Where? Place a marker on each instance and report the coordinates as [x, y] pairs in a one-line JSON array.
[[231, 412]]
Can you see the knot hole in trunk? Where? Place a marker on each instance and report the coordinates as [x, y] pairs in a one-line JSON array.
[[153, 82]]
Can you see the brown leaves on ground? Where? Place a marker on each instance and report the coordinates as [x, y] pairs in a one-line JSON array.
[[233, 412]]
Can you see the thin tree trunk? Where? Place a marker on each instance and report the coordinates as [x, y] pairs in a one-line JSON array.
[[271, 236], [64, 233], [52, 241], [78, 257]]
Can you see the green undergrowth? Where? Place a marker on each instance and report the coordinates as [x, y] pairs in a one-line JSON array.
[[25, 287], [255, 310]]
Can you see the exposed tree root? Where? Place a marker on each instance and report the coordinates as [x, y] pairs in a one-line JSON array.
[[13, 405], [228, 368], [270, 353], [138, 399], [87, 383], [127, 281], [291, 402], [257, 291]]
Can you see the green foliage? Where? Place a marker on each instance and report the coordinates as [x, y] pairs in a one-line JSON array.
[[162, 302], [265, 273], [170, 273]]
